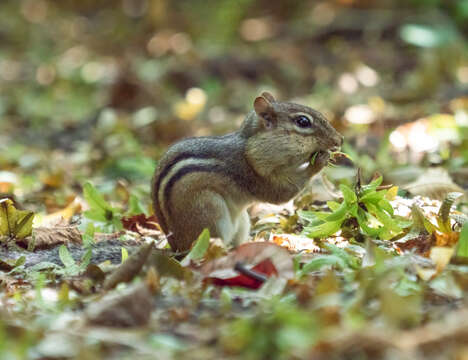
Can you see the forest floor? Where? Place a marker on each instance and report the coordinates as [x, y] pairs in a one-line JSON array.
[[370, 261]]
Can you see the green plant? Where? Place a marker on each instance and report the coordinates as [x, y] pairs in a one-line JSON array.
[[99, 209], [367, 206], [71, 268]]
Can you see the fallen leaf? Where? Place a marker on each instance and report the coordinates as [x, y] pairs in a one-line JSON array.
[[132, 307], [130, 268], [294, 242], [434, 183], [199, 248], [139, 223], [250, 279], [48, 237], [256, 262], [441, 256], [62, 216], [13, 222], [168, 266]]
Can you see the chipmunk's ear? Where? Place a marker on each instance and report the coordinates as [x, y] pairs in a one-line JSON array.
[[264, 109], [268, 96]]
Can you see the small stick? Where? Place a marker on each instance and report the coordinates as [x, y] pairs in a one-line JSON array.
[[240, 268]]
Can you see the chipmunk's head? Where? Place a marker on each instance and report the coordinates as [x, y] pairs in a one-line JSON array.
[[293, 129], [298, 119]]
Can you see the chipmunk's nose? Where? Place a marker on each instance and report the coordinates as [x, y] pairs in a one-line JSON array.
[[338, 142]]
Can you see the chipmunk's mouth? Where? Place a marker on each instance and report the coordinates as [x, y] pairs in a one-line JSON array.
[[320, 157]]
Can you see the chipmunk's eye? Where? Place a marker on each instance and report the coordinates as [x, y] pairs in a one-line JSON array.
[[302, 121]]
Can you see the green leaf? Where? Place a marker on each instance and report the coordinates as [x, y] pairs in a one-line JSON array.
[[363, 223], [373, 197], [348, 194], [350, 260], [384, 204], [376, 182], [403, 222], [97, 215], [333, 205], [384, 218], [321, 261], [338, 214], [353, 210], [323, 230], [86, 259], [371, 187], [312, 159], [462, 246], [65, 257], [313, 217], [88, 235], [124, 252], [200, 246], [321, 216], [94, 199], [20, 261]]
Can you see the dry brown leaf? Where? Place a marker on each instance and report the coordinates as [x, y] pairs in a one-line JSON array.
[[420, 244], [435, 183], [130, 268], [132, 307], [101, 237], [294, 242], [47, 237]]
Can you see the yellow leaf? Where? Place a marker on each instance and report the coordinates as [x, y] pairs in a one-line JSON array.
[[13, 222], [391, 193], [441, 256], [23, 226], [66, 214], [7, 217]]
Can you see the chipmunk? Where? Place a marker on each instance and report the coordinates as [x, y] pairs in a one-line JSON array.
[[208, 182]]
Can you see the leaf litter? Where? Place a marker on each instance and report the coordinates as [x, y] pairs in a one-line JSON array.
[[378, 274]]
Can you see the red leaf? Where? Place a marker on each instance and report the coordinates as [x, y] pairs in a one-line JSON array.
[[249, 265], [265, 267]]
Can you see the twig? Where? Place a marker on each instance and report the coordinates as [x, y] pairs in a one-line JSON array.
[[240, 268]]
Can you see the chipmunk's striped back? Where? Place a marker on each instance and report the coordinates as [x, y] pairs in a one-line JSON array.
[[205, 156], [170, 173]]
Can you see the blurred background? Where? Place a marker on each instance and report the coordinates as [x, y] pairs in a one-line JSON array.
[[98, 90]]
